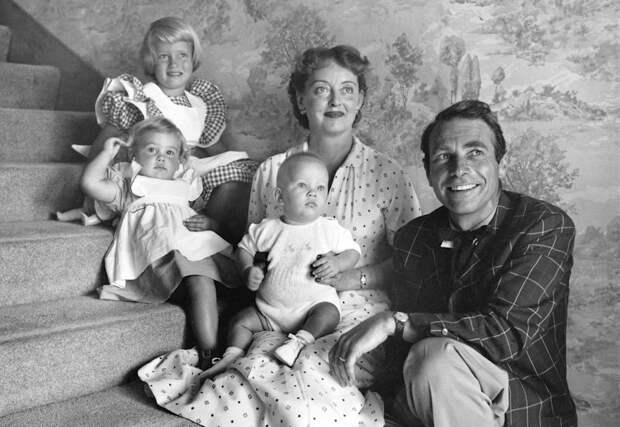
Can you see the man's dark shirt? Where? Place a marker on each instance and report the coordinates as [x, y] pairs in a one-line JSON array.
[[502, 289]]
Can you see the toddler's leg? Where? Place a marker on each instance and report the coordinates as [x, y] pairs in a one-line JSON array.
[[70, 215], [90, 219], [321, 320], [244, 325]]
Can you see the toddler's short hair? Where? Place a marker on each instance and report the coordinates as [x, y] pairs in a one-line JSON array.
[[168, 30], [160, 125]]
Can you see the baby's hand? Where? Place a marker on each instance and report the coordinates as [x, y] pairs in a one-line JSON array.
[[254, 277], [112, 145], [326, 266]]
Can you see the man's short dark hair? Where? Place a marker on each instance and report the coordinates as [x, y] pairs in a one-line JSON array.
[[468, 109]]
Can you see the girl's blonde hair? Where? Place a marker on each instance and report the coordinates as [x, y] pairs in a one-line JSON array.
[[158, 124], [168, 30]]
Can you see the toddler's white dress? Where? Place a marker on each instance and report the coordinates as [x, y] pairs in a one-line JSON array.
[[152, 250]]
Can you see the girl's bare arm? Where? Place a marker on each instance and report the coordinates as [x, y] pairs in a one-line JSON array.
[[94, 182]]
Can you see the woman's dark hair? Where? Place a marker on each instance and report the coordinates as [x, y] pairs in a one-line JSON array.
[[468, 109], [318, 57]]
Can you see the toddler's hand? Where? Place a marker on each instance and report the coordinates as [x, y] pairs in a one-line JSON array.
[[254, 277], [112, 145], [198, 222], [326, 266]]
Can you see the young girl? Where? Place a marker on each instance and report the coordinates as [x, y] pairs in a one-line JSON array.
[[153, 252], [303, 249], [170, 54]]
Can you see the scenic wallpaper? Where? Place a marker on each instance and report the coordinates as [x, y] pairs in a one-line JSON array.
[[549, 68]]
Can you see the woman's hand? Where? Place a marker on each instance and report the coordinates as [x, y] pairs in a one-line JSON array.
[[344, 281], [200, 222], [325, 267], [354, 343]]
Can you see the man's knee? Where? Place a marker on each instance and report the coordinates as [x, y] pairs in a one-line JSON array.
[[432, 360]]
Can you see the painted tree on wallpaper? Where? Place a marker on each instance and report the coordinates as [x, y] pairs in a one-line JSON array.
[[536, 165], [267, 107], [404, 61], [451, 51]]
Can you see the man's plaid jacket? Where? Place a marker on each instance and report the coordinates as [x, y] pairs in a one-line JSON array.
[[502, 289]]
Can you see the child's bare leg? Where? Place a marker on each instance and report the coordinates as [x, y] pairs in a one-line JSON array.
[[70, 215], [201, 306], [244, 325], [321, 320]]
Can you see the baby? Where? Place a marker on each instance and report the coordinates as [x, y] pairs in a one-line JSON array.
[[154, 254], [303, 249]]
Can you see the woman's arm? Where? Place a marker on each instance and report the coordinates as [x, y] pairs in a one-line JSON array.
[[330, 264], [94, 181], [375, 276]]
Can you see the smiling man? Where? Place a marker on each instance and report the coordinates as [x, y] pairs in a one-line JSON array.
[[481, 289]]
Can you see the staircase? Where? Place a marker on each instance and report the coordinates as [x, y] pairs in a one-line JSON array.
[[67, 358]]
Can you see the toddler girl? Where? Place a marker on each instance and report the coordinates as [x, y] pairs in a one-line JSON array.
[[153, 252], [170, 54], [303, 249]]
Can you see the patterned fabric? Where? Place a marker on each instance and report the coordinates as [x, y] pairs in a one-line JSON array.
[[504, 291], [258, 391], [122, 114], [370, 195], [237, 171]]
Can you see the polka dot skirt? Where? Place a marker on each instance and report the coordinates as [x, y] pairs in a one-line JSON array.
[[259, 391]]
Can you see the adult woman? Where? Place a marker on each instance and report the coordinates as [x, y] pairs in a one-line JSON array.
[[371, 196], [369, 193]]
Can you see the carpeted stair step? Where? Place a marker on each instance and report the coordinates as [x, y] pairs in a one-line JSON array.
[[122, 406], [5, 42], [47, 260], [28, 86], [58, 350], [44, 135], [33, 191]]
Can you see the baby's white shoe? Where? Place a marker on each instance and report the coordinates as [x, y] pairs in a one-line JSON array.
[[287, 353]]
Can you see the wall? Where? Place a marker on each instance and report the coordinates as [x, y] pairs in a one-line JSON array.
[[550, 68]]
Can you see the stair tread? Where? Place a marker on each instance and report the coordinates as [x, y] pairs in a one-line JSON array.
[[47, 229], [38, 165], [24, 321], [50, 113], [120, 406]]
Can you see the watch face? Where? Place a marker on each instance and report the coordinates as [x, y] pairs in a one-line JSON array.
[[400, 316]]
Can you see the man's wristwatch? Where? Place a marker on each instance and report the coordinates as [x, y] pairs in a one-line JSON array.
[[400, 319]]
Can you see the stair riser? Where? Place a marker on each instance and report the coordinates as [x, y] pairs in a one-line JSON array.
[[64, 365], [28, 86], [44, 136], [35, 192], [5, 42], [35, 270]]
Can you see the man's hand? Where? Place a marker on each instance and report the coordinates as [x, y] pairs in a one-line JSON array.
[[352, 344], [254, 277]]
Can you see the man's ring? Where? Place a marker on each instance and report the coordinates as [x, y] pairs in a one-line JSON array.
[[342, 359]]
